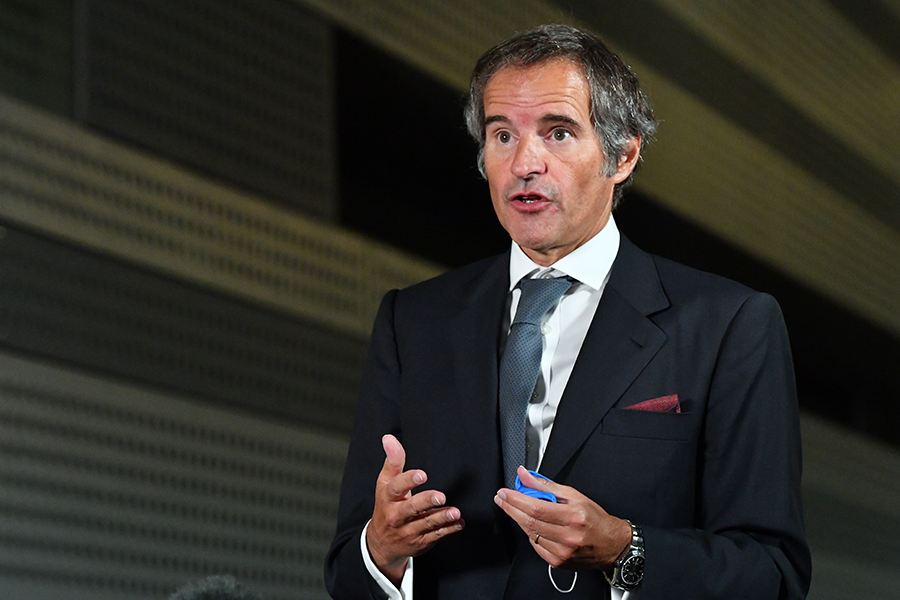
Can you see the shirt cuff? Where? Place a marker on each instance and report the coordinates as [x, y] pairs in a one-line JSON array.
[[405, 591]]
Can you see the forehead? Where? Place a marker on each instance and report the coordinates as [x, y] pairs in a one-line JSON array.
[[556, 84]]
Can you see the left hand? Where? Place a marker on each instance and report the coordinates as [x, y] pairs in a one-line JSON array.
[[574, 533]]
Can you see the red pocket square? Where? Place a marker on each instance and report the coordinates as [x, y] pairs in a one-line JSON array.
[[661, 404]]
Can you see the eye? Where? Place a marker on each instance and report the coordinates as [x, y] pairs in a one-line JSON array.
[[504, 137], [561, 135]]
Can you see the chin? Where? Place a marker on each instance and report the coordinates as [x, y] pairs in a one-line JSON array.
[[533, 240]]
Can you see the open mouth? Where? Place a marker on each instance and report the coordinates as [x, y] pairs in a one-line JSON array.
[[529, 198]]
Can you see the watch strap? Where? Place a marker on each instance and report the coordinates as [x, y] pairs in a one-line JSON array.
[[628, 572]]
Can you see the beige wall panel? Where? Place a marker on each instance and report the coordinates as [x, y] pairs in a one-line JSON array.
[[442, 38], [719, 176], [844, 493], [117, 491], [815, 59], [62, 179]]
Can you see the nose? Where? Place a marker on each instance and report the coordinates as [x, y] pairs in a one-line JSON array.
[[528, 160]]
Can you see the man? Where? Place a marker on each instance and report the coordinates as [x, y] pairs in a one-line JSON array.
[[663, 404]]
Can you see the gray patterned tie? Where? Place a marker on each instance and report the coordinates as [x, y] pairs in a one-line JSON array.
[[520, 365]]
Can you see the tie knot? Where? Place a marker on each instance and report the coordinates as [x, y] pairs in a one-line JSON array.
[[538, 295]]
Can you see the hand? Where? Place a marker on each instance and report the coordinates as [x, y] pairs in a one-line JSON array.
[[403, 524], [575, 533]]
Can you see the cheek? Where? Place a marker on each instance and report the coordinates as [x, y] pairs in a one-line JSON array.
[[493, 168], [498, 180], [592, 182], [496, 201], [494, 186]]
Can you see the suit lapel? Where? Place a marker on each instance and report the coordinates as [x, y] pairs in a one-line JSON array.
[[620, 342]]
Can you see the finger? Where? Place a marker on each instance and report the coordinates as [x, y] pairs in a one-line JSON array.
[[422, 503], [514, 505], [531, 515], [530, 480], [548, 550], [399, 487], [525, 508], [438, 519], [426, 540], [444, 523], [399, 484], [395, 455], [545, 537], [563, 493], [422, 532]]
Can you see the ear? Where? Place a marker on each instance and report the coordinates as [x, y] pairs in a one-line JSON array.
[[629, 160]]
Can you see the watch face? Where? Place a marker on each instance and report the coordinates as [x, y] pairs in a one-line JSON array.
[[632, 570]]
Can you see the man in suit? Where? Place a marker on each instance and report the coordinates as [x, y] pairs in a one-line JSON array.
[[661, 406]]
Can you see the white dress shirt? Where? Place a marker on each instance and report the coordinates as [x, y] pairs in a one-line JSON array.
[[564, 328]]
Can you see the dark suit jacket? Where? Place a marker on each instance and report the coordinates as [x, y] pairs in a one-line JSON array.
[[715, 487]]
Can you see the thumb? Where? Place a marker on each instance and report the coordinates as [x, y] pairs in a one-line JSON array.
[[540, 482], [395, 455]]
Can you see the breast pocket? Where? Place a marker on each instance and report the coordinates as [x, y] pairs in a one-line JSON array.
[[649, 425], [648, 466]]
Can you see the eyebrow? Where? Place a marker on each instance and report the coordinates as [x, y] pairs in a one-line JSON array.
[[562, 119], [495, 119], [546, 119]]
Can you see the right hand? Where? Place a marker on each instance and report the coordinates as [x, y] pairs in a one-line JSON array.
[[405, 525]]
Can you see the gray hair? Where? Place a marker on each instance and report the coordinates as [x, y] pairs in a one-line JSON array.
[[619, 109]]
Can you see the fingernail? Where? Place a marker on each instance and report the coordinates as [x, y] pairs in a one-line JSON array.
[[497, 500], [436, 500], [419, 478], [501, 494]]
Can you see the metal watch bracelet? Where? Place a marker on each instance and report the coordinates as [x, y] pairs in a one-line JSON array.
[[629, 568]]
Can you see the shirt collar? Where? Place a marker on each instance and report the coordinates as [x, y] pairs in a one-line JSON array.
[[589, 264]]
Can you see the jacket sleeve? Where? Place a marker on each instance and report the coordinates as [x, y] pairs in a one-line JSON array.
[[748, 541], [377, 414]]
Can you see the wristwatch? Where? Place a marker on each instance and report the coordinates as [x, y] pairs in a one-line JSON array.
[[629, 568]]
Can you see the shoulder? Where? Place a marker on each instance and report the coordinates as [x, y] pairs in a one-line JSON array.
[[430, 309], [458, 285], [686, 289], [715, 299], [681, 281]]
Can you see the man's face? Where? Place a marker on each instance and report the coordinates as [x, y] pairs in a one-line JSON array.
[[544, 161]]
